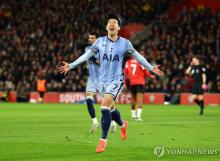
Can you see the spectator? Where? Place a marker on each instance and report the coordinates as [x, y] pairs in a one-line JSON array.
[[35, 42]]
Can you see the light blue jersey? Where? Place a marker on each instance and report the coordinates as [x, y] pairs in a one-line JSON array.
[[93, 68], [111, 56]]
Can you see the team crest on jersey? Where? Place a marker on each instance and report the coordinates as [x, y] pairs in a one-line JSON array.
[[110, 57]]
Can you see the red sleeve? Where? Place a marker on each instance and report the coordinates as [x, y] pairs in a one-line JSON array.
[[147, 74]]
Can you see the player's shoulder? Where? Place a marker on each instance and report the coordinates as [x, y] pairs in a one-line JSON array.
[[102, 38], [133, 60], [87, 48], [202, 67], [123, 39]]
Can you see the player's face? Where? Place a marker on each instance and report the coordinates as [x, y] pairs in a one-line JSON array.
[[195, 61], [142, 52], [91, 39], [112, 27]]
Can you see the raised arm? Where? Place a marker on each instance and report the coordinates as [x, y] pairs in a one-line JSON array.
[[66, 66], [142, 60], [88, 54], [145, 63]]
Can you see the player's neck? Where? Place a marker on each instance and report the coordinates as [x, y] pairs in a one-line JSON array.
[[113, 37]]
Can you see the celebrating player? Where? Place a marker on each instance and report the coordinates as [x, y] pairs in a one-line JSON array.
[[111, 50], [136, 74], [92, 85], [199, 76]]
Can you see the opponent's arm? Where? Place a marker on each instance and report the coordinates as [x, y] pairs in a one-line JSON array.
[[148, 74]]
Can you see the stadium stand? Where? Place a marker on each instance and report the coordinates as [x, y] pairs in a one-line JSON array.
[[35, 36]]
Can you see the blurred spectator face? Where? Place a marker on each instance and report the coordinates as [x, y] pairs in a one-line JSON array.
[[91, 39], [195, 61], [142, 52], [112, 27]]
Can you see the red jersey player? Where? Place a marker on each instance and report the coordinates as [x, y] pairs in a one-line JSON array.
[[136, 74]]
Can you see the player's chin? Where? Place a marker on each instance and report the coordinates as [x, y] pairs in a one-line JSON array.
[[111, 32]]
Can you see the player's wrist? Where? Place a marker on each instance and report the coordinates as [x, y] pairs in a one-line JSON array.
[[71, 66]]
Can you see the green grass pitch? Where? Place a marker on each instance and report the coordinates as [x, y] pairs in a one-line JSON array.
[[60, 132]]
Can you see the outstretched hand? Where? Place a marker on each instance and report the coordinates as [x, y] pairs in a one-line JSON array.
[[64, 69], [157, 71]]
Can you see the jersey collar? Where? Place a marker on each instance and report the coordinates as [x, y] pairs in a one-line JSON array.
[[113, 41]]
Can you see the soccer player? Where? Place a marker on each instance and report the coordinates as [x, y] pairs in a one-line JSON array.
[[111, 50], [136, 74], [92, 82], [199, 76], [92, 85]]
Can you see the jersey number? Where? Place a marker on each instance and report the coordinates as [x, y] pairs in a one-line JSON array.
[[134, 68], [115, 88]]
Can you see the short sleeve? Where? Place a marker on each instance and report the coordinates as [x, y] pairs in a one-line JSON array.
[[203, 69], [95, 46]]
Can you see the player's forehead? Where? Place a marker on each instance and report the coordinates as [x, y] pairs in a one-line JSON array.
[[92, 36], [112, 20]]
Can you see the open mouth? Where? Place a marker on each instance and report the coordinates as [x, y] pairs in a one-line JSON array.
[[111, 29]]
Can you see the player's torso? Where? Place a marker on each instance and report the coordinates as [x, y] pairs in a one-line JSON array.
[[197, 74], [135, 72], [93, 67], [111, 55]]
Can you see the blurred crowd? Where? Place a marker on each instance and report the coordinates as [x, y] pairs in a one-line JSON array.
[[173, 43], [35, 36]]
